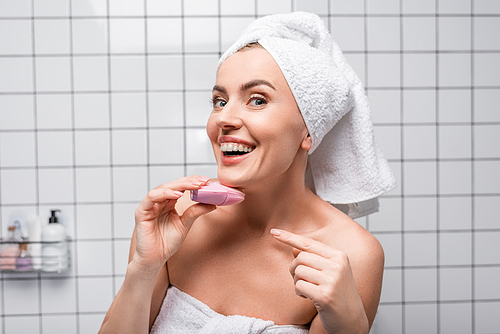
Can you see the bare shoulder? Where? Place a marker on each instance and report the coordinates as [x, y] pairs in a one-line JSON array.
[[365, 254], [347, 235]]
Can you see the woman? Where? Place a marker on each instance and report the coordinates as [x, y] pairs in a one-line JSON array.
[[282, 261]]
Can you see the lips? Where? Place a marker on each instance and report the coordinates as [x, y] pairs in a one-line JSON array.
[[233, 148]]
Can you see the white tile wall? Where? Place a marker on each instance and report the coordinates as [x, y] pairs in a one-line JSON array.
[[51, 36], [162, 35], [15, 37], [102, 100], [419, 34], [59, 324], [58, 295], [486, 319], [483, 39], [455, 284], [414, 315], [419, 106], [454, 105], [420, 285], [53, 112], [456, 318], [90, 74], [22, 324], [17, 74], [484, 74]]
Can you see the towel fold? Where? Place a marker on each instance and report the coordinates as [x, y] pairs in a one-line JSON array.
[[345, 166], [184, 314]]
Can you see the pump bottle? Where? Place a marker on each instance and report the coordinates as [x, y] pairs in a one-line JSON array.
[[54, 248]]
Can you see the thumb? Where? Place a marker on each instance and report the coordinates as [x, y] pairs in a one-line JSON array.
[[193, 212]]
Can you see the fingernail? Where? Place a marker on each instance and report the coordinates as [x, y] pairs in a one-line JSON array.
[[203, 179], [196, 183], [178, 193], [276, 232]]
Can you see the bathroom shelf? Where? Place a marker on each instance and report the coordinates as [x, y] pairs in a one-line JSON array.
[[57, 257]]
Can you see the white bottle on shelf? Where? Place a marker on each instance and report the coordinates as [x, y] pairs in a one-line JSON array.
[[54, 248], [35, 238]]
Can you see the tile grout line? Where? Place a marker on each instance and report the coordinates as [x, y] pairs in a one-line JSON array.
[[110, 123], [37, 169], [473, 200], [74, 245], [438, 188], [402, 170], [183, 90]]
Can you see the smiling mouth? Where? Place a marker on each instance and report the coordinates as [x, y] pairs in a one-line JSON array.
[[234, 149]]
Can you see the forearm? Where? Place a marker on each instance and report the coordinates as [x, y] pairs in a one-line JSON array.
[[358, 326], [130, 311]]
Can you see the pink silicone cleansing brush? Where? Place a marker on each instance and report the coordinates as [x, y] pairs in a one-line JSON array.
[[217, 194]]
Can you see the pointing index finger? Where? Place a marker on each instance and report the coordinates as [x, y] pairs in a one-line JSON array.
[[301, 242]]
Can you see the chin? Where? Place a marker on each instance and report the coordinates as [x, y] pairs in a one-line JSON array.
[[232, 178], [230, 182]]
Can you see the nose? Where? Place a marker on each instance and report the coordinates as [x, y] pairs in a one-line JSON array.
[[229, 118]]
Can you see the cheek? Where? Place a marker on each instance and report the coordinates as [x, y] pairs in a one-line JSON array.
[[294, 130], [286, 139], [212, 129]]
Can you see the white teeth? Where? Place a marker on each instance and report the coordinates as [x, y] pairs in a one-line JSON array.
[[233, 147]]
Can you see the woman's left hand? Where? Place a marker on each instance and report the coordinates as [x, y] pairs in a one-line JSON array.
[[323, 274]]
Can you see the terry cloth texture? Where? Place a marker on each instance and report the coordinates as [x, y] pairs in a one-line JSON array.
[[184, 314]]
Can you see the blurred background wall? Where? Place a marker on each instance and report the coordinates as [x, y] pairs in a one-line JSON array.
[[101, 100]]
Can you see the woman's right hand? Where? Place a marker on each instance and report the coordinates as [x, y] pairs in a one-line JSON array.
[[160, 230]]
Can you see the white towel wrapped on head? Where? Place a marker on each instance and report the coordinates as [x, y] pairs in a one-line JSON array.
[[345, 165]]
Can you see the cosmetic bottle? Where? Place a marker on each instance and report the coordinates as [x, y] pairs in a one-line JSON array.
[[35, 238], [23, 261], [10, 249], [54, 249]]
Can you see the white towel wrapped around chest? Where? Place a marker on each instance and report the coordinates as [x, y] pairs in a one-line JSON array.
[[184, 314]]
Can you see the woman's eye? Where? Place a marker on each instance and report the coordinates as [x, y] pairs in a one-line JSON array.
[[219, 103], [257, 102]]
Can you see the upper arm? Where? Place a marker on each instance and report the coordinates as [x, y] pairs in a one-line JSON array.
[[367, 264], [366, 260]]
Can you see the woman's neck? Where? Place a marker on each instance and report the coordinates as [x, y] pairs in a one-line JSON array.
[[281, 201], [275, 205]]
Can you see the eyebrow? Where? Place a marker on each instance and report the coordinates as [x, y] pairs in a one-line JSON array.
[[254, 83], [219, 89], [246, 86]]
